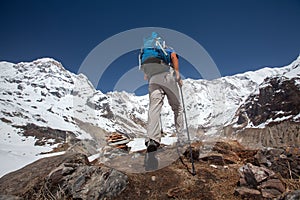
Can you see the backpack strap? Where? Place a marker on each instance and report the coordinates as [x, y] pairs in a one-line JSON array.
[[161, 47], [140, 58]]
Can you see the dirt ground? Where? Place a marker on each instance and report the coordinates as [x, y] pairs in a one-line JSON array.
[[176, 182], [213, 179], [216, 176]]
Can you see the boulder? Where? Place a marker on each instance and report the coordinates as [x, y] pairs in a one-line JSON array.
[[255, 179], [248, 193], [255, 175]]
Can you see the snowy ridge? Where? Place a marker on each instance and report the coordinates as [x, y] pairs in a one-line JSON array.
[[39, 93]]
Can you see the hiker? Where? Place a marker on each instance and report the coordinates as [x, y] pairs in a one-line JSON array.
[[161, 68]]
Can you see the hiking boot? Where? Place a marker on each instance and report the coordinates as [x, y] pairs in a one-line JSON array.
[[152, 145]]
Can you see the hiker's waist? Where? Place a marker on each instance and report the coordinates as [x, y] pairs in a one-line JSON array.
[[154, 60]]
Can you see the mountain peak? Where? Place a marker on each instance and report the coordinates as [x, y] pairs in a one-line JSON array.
[[46, 59]]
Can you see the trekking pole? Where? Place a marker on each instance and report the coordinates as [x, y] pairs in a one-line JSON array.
[[188, 134], [161, 126]]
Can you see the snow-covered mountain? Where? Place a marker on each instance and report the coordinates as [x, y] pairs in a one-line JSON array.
[[42, 95], [213, 104], [270, 116]]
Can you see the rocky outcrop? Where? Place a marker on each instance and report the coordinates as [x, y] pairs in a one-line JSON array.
[[283, 161], [271, 173], [44, 135], [68, 176], [278, 97], [258, 182]]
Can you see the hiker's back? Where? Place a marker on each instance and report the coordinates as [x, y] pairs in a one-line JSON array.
[[155, 58]]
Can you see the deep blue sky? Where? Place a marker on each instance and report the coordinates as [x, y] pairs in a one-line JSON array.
[[239, 35]]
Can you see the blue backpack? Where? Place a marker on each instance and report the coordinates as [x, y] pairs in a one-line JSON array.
[[154, 47]]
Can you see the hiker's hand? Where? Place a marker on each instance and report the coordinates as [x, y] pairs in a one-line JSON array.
[[179, 81], [145, 77]]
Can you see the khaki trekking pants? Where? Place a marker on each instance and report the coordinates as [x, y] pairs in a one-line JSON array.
[[161, 85]]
